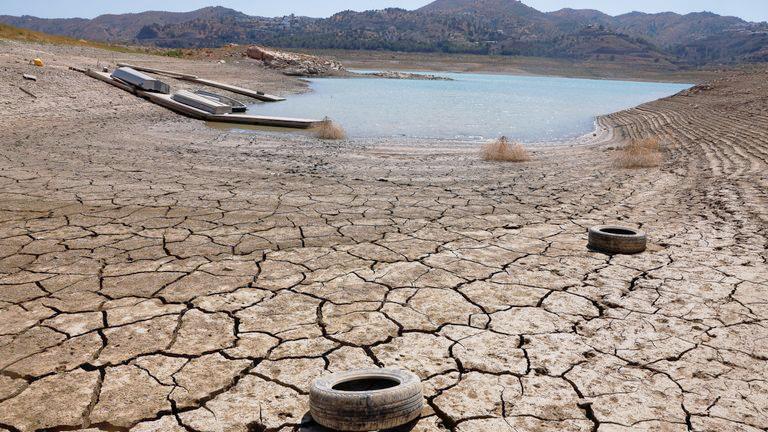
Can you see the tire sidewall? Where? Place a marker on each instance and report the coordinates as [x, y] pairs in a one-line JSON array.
[[627, 244]]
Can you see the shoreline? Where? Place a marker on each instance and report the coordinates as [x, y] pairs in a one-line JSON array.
[[628, 78], [565, 141], [584, 139], [519, 66]]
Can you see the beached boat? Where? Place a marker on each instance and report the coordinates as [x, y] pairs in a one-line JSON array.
[[167, 101], [195, 79], [237, 106], [208, 105], [140, 80]]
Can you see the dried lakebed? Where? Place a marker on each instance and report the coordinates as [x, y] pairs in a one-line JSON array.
[[161, 275]]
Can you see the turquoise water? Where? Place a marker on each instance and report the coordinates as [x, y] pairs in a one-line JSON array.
[[471, 107]]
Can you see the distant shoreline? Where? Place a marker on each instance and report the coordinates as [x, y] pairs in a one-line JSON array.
[[507, 65]]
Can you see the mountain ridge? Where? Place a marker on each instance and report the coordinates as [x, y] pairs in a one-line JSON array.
[[506, 27]]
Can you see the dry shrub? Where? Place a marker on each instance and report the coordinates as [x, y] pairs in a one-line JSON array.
[[644, 153], [502, 150], [329, 130]]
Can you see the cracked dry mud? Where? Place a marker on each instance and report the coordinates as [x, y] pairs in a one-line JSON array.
[[158, 274]]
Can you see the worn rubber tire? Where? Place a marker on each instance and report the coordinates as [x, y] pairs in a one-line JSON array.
[[617, 240], [366, 410]]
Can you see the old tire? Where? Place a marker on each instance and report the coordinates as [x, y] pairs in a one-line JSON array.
[[366, 399], [617, 240]]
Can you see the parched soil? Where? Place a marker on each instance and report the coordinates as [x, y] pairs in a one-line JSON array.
[[157, 274]]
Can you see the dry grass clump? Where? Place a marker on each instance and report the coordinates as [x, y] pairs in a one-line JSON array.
[[503, 150], [644, 153], [329, 130]]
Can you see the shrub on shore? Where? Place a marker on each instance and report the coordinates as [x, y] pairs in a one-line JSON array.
[[504, 150], [644, 153], [329, 130]]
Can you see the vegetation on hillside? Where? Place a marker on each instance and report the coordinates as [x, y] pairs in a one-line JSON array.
[[9, 32], [20, 34], [497, 27]]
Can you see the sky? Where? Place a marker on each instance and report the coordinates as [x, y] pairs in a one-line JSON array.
[[752, 10]]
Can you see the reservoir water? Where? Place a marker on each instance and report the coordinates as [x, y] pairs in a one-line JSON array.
[[472, 106]]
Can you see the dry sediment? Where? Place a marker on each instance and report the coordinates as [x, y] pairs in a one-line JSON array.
[[157, 274]]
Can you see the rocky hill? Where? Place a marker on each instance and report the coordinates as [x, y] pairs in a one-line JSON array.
[[507, 27], [118, 28]]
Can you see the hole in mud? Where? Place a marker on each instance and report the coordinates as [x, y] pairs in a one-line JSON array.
[[366, 384], [618, 231]]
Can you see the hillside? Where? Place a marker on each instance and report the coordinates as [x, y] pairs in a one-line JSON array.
[[20, 34], [506, 27], [116, 28]]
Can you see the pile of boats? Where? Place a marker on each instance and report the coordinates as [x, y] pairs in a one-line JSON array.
[[199, 104]]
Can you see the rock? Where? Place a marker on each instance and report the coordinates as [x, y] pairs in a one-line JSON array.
[[406, 76], [295, 64]]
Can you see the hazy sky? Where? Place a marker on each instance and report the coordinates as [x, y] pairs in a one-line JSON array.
[[753, 10]]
